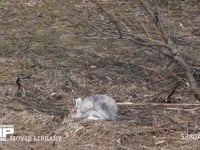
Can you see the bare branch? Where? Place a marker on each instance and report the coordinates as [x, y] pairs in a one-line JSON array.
[[110, 18], [170, 45]]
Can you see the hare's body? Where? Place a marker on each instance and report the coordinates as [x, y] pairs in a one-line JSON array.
[[96, 107]]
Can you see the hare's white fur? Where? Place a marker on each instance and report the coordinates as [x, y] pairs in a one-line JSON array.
[[96, 107]]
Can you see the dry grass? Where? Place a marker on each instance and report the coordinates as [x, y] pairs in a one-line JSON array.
[[70, 53]]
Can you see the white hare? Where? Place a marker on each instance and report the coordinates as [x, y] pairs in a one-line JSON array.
[[96, 107]]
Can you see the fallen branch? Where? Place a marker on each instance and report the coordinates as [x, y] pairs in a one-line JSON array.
[[158, 104]]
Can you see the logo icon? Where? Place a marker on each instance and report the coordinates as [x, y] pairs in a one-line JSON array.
[[5, 130]]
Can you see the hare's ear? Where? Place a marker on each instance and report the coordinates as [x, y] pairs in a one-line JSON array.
[[77, 102]]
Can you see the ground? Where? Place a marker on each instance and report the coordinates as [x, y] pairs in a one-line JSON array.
[[63, 49]]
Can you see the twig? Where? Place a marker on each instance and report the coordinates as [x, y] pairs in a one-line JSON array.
[[159, 104], [19, 79], [173, 91], [188, 110], [18, 82], [110, 18]]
